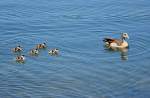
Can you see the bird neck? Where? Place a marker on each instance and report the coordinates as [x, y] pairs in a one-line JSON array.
[[122, 39]]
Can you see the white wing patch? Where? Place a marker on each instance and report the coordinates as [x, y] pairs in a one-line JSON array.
[[113, 45]]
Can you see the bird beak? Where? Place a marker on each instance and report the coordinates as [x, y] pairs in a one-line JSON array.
[[127, 37]]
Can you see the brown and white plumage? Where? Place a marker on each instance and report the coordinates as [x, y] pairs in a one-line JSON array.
[[117, 43], [17, 49], [41, 46], [20, 58]]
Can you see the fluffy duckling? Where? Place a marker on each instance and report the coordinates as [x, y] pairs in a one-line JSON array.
[[34, 52], [20, 58], [54, 51], [17, 49], [117, 43], [41, 46]]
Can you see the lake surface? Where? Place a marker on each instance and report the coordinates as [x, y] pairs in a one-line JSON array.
[[84, 68]]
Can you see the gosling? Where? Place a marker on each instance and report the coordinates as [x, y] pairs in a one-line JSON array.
[[41, 46], [54, 51], [34, 52], [17, 49], [20, 58]]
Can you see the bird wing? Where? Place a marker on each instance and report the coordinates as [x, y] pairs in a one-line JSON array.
[[111, 40]]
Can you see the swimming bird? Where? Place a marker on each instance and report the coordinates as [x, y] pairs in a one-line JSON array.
[[117, 43], [34, 51], [20, 58], [17, 49], [54, 51], [41, 46]]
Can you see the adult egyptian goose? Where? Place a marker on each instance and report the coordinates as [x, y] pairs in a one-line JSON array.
[[41, 46], [54, 51], [17, 49], [117, 43], [20, 58]]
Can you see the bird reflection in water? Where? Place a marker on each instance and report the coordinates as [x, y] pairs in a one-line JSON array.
[[123, 52]]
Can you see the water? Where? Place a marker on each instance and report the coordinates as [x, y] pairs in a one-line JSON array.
[[84, 68]]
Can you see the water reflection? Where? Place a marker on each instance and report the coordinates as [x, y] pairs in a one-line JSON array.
[[123, 52]]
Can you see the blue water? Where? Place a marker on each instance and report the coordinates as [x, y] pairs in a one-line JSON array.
[[84, 68]]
